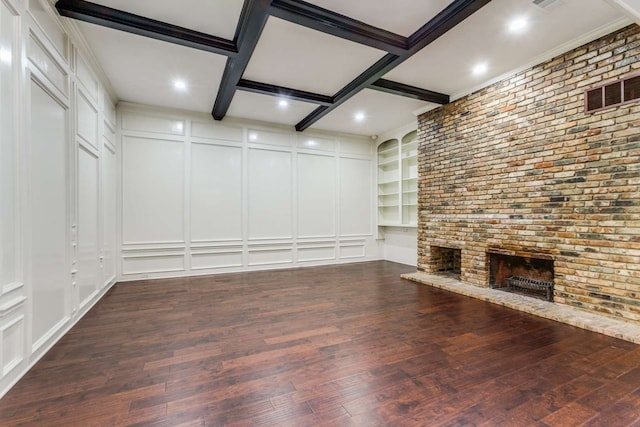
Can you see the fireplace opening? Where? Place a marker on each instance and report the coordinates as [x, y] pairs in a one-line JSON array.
[[446, 261], [524, 275]]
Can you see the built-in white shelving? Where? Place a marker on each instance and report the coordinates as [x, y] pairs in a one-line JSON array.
[[398, 181]]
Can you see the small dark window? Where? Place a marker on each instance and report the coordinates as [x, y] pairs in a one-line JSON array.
[[594, 99], [632, 88], [613, 94]]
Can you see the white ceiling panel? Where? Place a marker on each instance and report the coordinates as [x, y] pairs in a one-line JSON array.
[[381, 111], [142, 70], [266, 108], [446, 65], [217, 17], [402, 17], [293, 56]]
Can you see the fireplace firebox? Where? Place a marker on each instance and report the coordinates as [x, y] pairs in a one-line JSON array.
[[528, 275], [446, 261]]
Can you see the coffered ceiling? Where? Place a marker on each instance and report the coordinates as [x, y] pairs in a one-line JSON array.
[[361, 66]]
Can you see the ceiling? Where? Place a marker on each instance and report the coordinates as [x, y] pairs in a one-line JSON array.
[[317, 66]]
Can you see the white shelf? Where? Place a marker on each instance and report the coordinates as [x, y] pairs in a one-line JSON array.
[[398, 156], [388, 182], [410, 144], [388, 150], [393, 162]]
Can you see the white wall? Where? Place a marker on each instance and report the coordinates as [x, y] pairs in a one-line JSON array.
[[400, 245], [57, 184], [203, 197]]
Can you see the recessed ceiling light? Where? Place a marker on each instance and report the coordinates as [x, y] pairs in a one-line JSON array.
[[5, 55], [480, 69], [359, 116], [180, 85], [518, 25], [253, 136], [283, 103]]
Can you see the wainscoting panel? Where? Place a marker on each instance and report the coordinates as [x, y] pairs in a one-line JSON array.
[[203, 197], [153, 124], [152, 262], [53, 130], [153, 190], [50, 26], [8, 153], [352, 249], [316, 253], [88, 263], [47, 65], [316, 195], [316, 143], [47, 163], [87, 120], [216, 131], [270, 137], [216, 257], [270, 255], [270, 194], [86, 78], [109, 203], [216, 192], [11, 344], [356, 214], [216, 254]]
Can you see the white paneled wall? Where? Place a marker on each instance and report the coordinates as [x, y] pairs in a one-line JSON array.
[[202, 197], [57, 184], [12, 292], [316, 197]]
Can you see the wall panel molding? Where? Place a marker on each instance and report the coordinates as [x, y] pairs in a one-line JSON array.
[[153, 185], [87, 121], [13, 304], [10, 287], [259, 196], [53, 71], [41, 343], [11, 345], [46, 21], [152, 262], [89, 83], [48, 139]]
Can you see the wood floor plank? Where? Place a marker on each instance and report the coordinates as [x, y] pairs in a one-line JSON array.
[[302, 334], [348, 345]]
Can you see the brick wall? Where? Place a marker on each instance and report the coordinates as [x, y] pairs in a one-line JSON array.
[[518, 168]]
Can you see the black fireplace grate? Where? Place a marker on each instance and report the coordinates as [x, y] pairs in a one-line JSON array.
[[536, 286]]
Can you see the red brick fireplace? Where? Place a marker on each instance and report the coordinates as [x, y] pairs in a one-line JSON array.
[[519, 169]]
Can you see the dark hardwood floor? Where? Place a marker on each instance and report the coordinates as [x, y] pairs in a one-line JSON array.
[[346, 345]]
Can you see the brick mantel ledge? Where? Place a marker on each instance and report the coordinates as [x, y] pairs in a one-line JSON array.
[[560, 313]]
